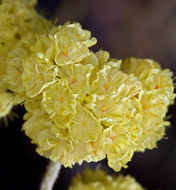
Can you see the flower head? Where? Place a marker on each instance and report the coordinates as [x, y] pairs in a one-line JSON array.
[[19, 24], [80, 105], [98, 180], [76, 100], [158, 95]]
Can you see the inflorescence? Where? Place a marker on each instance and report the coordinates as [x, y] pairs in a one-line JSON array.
[[98, 180], [81, 105]]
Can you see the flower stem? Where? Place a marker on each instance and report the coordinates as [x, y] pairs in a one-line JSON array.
[[51, 175]]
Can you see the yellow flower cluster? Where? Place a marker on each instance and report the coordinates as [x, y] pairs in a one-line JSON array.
[[80, 109], [80, 105], [19, 24], [158, 95], [98, 180]]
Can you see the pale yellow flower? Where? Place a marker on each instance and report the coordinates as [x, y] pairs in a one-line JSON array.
[[59, 102], [14, 70], [11, 57], [108, 109], [88, 126], [90, 152], [111, 109], [37, 76], [44, 49], [95, 150], [77, 76], [71, 43], [108, 80]]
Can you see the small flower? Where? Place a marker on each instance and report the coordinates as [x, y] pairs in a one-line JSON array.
[[77, 76], [96, 150], [12, 77], [59, 102], [71, 42], [88, 126], [37, 76], [108, 80], [108, 109]]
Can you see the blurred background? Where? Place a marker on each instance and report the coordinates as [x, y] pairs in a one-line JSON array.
[[139, 28]]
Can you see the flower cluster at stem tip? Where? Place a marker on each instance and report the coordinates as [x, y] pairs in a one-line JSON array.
[[81, 105], [98, 180]]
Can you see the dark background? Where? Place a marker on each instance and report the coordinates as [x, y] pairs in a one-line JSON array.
[[140, 28]]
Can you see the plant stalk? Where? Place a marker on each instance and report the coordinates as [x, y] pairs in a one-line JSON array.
[[52, 172]]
